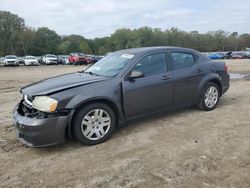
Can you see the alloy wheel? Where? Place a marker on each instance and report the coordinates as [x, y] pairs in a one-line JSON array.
[[211, 97], [95, 124]]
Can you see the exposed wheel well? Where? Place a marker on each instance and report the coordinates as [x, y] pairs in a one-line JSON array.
[[218, 83], [105, 101]]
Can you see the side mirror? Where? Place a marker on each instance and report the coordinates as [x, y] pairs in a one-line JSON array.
[[134, 75]]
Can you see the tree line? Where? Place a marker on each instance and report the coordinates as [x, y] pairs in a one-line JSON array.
[[17, 38]]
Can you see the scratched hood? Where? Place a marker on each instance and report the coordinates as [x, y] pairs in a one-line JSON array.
[[59, 83]]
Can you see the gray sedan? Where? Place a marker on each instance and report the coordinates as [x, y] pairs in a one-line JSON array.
[[124, 85]]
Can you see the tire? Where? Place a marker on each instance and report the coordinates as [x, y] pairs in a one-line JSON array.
[[212, 92], [90, 130]]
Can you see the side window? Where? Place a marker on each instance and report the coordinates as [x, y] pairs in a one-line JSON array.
[[182, 60], [152, 64]]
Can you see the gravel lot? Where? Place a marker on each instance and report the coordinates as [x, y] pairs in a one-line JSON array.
[[182, 148]]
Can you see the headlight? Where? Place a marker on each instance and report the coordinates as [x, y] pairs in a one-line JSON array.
[[45, 104]]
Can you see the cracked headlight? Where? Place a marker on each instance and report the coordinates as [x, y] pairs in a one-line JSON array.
[[45, 104]]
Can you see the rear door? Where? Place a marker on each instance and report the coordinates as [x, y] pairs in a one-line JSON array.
[[154, 91], [187, 74]]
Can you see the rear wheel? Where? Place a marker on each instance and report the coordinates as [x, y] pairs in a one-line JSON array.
[[94, 123], [209, 97]]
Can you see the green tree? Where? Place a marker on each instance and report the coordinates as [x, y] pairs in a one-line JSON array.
[[84, 47], [27, 38], [64, 47], [11, 25], [46, 41]]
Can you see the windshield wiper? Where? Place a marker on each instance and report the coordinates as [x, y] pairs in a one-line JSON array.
[[91, 73], [81, 71]]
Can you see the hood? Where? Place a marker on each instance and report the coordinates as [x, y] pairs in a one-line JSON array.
[[31, 60], [10, 59], [59, 83]]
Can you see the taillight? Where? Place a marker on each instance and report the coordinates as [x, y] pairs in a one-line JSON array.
[[225, 67]]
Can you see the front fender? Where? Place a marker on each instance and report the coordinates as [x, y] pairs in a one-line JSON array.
[[75, 104]]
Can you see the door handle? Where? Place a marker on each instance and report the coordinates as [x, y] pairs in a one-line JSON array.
[[199, 70], [166, 78]]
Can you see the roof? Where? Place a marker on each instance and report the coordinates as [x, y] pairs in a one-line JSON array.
[[148, 49]]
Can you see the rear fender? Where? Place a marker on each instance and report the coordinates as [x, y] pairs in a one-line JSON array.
[[207, 78]]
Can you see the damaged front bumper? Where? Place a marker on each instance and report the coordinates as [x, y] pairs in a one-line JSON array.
[[39, 131]]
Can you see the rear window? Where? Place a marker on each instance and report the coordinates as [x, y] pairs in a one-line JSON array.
[[182, 60]]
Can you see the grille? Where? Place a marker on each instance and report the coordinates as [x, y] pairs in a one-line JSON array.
[[28, 101], [25, 107]]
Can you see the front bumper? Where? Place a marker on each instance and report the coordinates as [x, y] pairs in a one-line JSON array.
[[36, 132], [31, 63], [10, 63], [52, 62]]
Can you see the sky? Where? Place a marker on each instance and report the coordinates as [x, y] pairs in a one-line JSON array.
[[99, 18]]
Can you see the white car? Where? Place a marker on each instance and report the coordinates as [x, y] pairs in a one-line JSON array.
[[49, 59], [10, 60], [30, 60], [65, 60]]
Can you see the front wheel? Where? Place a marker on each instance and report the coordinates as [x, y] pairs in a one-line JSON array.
[[94, 123], [209, 97]]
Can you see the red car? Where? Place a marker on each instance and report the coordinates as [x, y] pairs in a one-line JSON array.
[[78, 59], [90, 58]]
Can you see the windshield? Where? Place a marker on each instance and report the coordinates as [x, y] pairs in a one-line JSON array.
[[51, 56], [110, 65], [30, 57], [10, 57]]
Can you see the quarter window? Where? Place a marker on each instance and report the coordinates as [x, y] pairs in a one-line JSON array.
[[152, 64], [182, 60]]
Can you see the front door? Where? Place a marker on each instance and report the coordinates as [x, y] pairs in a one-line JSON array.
[[154, 91]]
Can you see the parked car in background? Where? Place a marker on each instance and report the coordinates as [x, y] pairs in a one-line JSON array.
[[90, 58], [1, 60], [237, 55], [125, 85], [108, 53], [20, 60], [228, 55], [65, 59], [10, 60], [49, 59], [221, 54], [247, 54], [59, 59], [40, 59], [78, 59], [216, 56], [31, 60], [96, 58]]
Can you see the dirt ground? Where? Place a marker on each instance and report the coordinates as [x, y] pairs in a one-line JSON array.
[[182, 148]]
